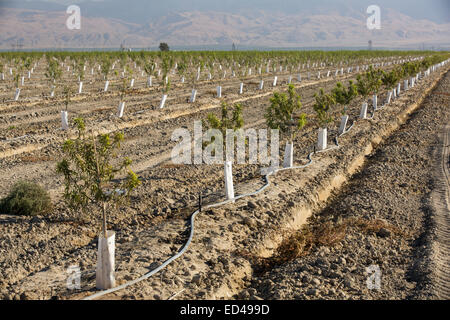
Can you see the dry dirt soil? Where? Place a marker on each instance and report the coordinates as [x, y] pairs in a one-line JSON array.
[[368, 202]]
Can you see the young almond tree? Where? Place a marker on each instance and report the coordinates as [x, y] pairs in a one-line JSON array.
[[166, 65], [123, 91], [106, 67], [219, 82], [363, 86], [67, 93], [410, 69], [128, 74], [2, 66], [280, 115], [344, 96], [137, 61], [123, 61], [235, 122], [291, 69], [242, 73], [79, 67], [20, 67], [16, 78], [89, 173], [211, 70], [27, 63], [261, 78], [89, 179], [375, 77], [149, 69], [390, 80], [322, 107], [192, 78], [165, 86], [53, 73], [181, 69], [226, 122], [370, 84]]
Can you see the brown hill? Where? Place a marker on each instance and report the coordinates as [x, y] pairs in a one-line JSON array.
[[40, 29]]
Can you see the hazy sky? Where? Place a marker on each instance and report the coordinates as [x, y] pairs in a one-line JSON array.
[[141, 11]]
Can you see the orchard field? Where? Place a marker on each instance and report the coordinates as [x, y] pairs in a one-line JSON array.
[[334, 109]]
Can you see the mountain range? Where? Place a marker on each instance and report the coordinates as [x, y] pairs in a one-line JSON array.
[[323, 27]]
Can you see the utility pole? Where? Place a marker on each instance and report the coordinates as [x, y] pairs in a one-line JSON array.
[[17, 45]]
